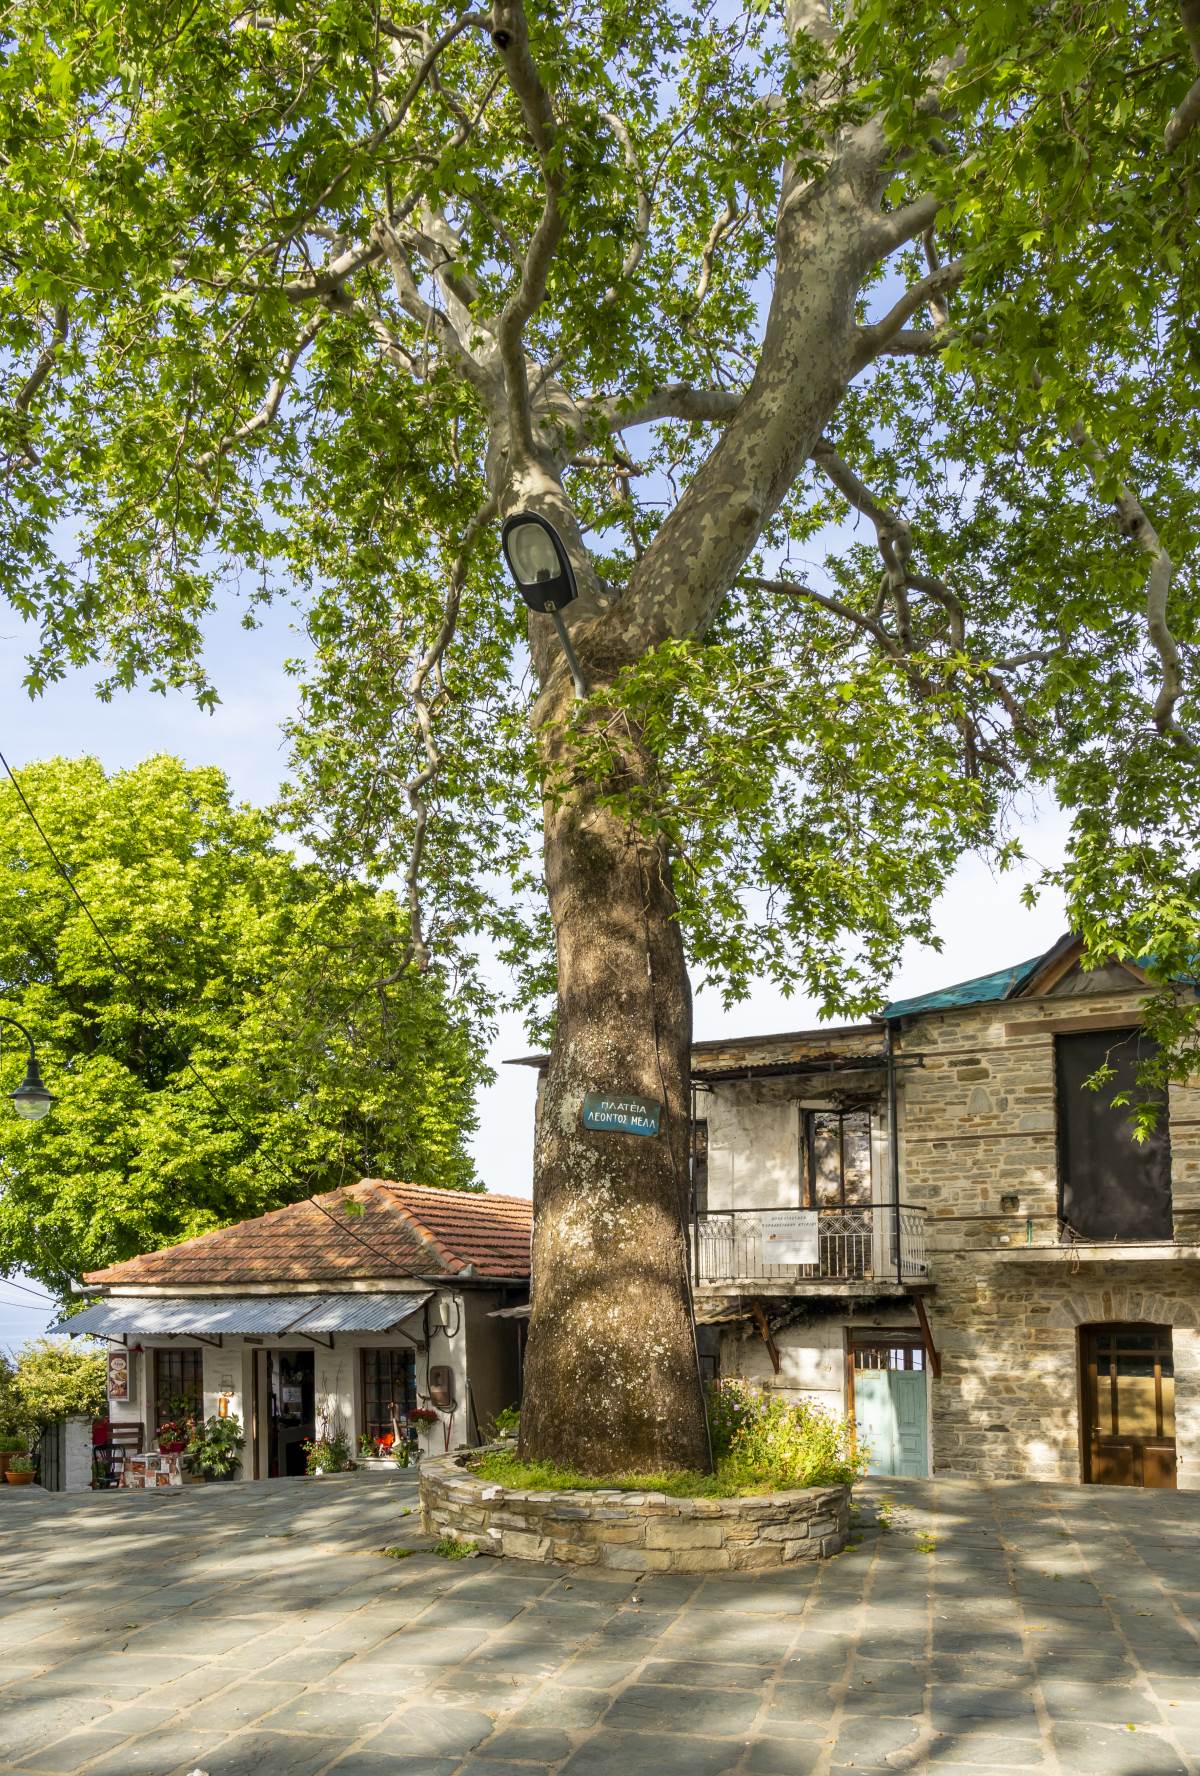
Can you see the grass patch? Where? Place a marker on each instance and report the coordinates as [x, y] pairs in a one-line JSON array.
[[506, 1468], [450, 1548], [398, 1553]]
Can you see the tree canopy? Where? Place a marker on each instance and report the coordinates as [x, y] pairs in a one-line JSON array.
[[291, 293], [239, 1055]]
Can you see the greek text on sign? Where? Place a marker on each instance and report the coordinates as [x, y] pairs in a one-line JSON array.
[[617, 1111], [789, 1236]]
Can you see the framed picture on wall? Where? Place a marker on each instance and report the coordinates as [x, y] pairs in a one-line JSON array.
[[118, 1375]]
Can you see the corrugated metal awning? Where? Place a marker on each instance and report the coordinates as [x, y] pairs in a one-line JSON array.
[[359, 1313], [266, 1315]]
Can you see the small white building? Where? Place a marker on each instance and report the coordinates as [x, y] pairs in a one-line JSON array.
[[345, 1312]]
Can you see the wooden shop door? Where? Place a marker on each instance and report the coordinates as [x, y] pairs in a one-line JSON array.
[[1128, 1389]]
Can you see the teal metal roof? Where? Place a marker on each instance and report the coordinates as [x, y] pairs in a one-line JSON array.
[[980, 991]]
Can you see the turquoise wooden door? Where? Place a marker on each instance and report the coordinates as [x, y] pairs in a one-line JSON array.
[[889, 1410]]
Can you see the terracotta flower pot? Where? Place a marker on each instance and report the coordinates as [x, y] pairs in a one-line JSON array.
[[22, 1479], [6, 1456]]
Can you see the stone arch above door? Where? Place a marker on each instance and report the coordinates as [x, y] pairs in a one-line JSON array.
[[1095, 1306]]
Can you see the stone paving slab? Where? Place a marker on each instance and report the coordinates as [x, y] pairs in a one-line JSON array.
[[258, 1630]]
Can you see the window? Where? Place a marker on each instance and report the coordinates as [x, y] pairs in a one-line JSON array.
[[837, 1145], [1111, 1187], [389, 1388], [889, 1356], [178, 1381]]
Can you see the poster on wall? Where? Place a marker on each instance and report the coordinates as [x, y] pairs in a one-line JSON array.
[[118, 1375], [789, 1236]]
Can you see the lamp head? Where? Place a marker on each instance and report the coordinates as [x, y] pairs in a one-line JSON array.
[[31, 1100], [537, 562]]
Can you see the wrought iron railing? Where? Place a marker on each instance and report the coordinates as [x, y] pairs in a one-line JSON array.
[[852, 1244]]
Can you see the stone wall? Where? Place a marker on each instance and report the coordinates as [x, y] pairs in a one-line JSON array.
[[633, 1532], [977, 1124]]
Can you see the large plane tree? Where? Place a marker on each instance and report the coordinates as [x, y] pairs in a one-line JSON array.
[[848, 348]]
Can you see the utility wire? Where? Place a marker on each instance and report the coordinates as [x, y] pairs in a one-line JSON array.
[[149, 1011], [39, 1294]]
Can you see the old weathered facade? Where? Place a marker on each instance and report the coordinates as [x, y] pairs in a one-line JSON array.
[[1006, 1286]]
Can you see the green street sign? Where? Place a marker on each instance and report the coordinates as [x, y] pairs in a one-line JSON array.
[[618, 1113]]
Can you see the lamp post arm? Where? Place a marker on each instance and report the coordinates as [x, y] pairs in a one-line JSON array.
[[25, 1033]]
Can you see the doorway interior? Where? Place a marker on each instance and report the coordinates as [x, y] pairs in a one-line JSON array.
[[291, 1409], [1127, 1394]]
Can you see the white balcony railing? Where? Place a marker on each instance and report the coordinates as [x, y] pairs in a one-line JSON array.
[[852, 1245]]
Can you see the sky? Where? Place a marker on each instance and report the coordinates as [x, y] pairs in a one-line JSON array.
[[981, 919]]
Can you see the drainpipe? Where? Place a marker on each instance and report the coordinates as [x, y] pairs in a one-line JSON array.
[[894, 1143]]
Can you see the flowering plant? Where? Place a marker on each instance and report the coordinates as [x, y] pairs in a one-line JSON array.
[[174, 1432], [423, 1415]]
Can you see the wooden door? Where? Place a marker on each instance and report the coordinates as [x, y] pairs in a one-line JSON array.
[[1128, 1389], [891, 1408]]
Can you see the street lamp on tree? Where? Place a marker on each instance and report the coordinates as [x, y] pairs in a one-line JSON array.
[[544, 577], [32, 1099]]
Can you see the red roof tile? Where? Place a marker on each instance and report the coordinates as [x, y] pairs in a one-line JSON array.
[[404, 1230]]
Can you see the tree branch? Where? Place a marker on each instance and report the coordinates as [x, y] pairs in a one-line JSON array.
[[24, 398], [879, 335], [674, 400], [272, 400], [1186, 115], [511, 37], [1136, 525]]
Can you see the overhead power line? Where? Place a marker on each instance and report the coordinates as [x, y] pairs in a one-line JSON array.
[[149, 1011]]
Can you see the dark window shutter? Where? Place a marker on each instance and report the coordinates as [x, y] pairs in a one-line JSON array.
[[1111, 1187]]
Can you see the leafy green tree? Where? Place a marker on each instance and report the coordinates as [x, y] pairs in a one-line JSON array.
[[240, 1054], [849, 349], [52, 1380]]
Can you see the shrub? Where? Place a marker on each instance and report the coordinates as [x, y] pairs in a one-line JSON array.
[[54, 1380], [760, 1444], [507, 1422], [778, 1445], [329, 1454], [21, 1464], [215, 1445]]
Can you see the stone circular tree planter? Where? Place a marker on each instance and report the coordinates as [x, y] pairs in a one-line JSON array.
[[633, 1531]]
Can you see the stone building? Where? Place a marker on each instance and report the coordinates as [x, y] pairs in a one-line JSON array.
[[1010, 1288]]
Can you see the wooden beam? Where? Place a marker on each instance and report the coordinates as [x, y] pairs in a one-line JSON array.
[[758, 1315], [935, 1362]]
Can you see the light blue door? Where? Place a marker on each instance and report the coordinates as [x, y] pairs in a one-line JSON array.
[[889, 1410]]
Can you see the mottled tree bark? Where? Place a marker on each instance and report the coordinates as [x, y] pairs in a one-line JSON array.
[[611, 1373]]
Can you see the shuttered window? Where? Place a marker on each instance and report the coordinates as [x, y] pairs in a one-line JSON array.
[[1111, 1187]]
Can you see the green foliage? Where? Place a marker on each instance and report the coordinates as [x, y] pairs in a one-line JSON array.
[[760, 1444], [328, 1454], [506, 1423], [449, 1547], [53, 1380], [215, 1446], [22, 1464], [398, 1553], [777, 1445], [254, 968], [170, 179], [11, 1444]]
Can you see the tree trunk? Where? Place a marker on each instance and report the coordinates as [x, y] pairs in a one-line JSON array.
[[612, 1381]]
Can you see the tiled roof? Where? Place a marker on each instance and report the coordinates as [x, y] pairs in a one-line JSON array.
[[404, 1230]]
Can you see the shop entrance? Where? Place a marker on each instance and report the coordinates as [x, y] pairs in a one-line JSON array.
[[1128, 1405], [890, 1405], [291, 1410]]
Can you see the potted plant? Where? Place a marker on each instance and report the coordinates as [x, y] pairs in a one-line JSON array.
[[10, 1446], [20, 1470], [172, 1436], [215, 1446], [422, 1415]]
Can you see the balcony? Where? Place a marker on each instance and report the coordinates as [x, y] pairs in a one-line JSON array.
[[853, 1251]]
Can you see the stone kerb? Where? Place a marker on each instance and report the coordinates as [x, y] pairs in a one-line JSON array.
[[633, 1531]]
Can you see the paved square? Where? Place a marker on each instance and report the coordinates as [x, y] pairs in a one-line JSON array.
[[258, 1630]]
